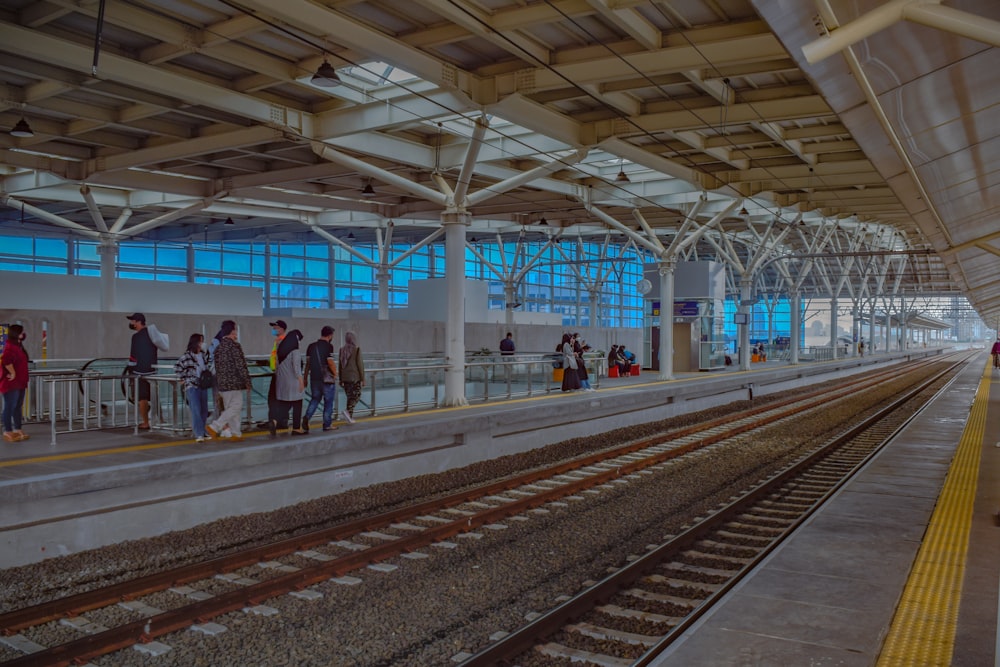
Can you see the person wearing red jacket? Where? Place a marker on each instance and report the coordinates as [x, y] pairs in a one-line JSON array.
[[13, 383], [996, 353]]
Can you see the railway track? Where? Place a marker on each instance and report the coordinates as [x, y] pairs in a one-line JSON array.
[[248, 579], [636, 613]]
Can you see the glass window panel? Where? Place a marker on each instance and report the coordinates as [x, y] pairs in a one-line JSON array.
[[236, 263], [41, 268], [363, 274], [316, 268], [171, 257], [16, 245], [87, 252], [50, 248], [207, 260], [318, 250], [171, 277], [134, 254]]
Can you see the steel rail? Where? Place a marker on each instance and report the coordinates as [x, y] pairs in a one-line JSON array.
[[146, 629], [503, 651], [14, 621]]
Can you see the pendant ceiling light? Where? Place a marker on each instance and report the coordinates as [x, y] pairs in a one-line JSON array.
[[22, 129], [326, 76], [368, 190], [622, 177]]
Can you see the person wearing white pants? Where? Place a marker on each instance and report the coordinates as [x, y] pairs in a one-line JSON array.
[[232, 378]]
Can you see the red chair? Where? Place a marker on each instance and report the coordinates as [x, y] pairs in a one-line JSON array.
[[613, 372], [634, 371]]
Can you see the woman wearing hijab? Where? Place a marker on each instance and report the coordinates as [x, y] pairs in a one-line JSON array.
[[13, 383], [571, 381], [289, 384], [351, 373]]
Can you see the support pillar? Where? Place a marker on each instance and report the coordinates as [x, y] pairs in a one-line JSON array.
[[382, 278], [189, 259], [509, 299], [796, 327], [746, 307], [108, 250], [454, 271], [833, 327], [665, 269], [871, 331], [856, 333]]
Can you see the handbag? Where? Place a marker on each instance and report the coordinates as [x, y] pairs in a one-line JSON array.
[[206, 380]]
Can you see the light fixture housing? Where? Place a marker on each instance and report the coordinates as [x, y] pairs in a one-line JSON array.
[[622, 177], [543, 221], [22, 129], [368, 190], [744, 212], [350, 236], [229, 221], [326, 76]]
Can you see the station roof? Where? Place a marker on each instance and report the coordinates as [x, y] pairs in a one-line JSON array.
[[698, 127]]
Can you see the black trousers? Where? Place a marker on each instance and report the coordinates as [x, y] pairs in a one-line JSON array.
[[274, 410]]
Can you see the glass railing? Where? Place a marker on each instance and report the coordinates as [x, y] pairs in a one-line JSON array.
[[74, 395]]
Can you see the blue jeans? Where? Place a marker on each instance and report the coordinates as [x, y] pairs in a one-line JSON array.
[[13, 402], [198, 403], [317, 391]]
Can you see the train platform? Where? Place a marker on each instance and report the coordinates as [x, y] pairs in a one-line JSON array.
[[898, 569], [100, 487]]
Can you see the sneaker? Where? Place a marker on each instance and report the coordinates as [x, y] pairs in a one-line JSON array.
[[211, 431], [226, 433], [200, 439], [329, 428], [347, 417]]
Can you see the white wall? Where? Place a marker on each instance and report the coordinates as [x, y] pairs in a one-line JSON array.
[[428, 300], [55, 292]]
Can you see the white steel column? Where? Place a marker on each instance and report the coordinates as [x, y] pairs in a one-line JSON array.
[[745, 307], [871, 330], [455, 223], [382, 278], [665, 268], [509, 299], [856, 333], [796, 326], [108, 250], [833, 326]]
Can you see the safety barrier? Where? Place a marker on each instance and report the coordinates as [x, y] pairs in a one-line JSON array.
[[74, 400]]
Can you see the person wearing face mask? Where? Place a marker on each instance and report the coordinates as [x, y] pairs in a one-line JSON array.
[[278, 329], [13, 383], [142, 359], [232, 378], [192, 368], [289, 384]]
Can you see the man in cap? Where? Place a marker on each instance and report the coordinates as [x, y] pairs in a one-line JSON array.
[[142, 360]]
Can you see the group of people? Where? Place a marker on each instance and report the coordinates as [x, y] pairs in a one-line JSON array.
[[621, 358], [223, 366], [575, 376]]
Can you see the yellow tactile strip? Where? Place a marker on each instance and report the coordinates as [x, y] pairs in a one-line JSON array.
[[923, 629]]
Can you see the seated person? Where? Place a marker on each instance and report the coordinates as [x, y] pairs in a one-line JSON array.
[[629, 357], [613, 359], [624, 362]]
